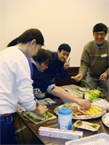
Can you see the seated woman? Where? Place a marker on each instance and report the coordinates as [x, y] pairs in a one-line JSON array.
[[40, 63]]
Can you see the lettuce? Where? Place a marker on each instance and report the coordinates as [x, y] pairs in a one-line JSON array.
[[93, 94]]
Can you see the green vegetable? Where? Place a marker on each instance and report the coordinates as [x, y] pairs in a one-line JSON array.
[[93, 125], [39, 118], [48, 115], [76, 79], [34, 119], [93, 94], [79, 121]]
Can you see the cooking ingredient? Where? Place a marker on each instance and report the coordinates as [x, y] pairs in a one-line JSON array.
[[94, 110], [76, 79], [93, 94], [86, 125], [35, 116], [77, 111]]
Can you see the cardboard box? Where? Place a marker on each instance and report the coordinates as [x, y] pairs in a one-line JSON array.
[[58, 133]]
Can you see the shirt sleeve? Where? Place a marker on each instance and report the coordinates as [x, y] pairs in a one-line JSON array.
[[84, 62], [50, 87], [24, 85]]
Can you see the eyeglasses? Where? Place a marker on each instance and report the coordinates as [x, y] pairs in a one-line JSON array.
[[97, 34]]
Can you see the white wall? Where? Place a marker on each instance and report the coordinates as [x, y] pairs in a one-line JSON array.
[[60, 21]]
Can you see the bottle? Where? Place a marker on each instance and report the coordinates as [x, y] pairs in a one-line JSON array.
[[65, 118]]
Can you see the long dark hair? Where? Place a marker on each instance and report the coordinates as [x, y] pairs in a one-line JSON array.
[[27, 36]]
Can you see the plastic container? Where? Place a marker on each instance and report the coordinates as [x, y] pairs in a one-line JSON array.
[[65, 118]]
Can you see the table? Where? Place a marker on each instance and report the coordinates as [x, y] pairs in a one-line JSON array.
[[53, 124]]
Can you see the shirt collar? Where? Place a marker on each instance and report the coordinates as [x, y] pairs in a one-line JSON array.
[[32, 60], [99, 47]]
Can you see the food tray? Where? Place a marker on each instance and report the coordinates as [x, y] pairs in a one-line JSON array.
[[105, 119], [86, 125], [99, 139], [35, 118], [79, 118]]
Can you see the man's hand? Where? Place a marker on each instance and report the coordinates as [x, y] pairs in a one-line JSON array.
[[103, 77], [67, 64], [78, 77]]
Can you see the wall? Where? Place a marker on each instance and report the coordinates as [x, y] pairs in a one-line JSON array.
[[61, 21]]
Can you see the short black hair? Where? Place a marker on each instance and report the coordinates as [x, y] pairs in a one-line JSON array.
[[43, 56], [64, 47], [100, 27]]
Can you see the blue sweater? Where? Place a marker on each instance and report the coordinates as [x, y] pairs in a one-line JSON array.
[[39, 81], [42, 80], [56, 67]]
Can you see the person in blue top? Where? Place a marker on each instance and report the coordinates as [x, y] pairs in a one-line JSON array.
[[60, 63], [40, 64]]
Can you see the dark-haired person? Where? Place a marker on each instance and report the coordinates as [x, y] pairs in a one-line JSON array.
[[60, 63], [40, 63], [95, 60], [15, 81]]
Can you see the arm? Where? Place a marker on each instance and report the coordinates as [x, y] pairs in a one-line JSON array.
[[84, 64], [61, 93], [103, 76], [25, 89], [40, 109]]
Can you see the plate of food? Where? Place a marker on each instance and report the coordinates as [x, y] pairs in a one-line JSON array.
[[35, 118], [105, 119], [86, 125], [78, 113]]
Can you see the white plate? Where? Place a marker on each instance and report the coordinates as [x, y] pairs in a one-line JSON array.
[[81, 118], [105, 119], [99, 139], [86, 125]]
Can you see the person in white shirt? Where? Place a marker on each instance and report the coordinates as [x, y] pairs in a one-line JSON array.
[[15, 81]]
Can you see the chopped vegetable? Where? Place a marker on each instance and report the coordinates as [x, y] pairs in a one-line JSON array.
[[48, 115], [93, 94], [74, 78], [79, 122]]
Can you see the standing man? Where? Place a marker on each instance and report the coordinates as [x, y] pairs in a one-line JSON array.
[[60, 63], [95, 60]]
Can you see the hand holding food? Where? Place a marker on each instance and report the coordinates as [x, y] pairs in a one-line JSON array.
[[78, 77], [40, 109], [84, 103]]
